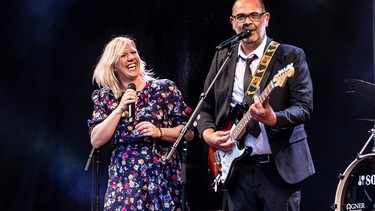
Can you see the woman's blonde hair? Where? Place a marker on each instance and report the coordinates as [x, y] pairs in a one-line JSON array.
[[104, 73]]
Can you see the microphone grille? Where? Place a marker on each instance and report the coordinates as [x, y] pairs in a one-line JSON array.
[[246, 33], [131, 86]]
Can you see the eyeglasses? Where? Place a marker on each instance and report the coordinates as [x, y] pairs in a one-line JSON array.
[[254, 16]]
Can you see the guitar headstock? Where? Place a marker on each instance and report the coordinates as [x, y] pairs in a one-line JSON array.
[[280, 78]]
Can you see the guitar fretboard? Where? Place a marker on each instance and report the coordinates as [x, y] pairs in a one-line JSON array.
[[278, 80], [241, 126]]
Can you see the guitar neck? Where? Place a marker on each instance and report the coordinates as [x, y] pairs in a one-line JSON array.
[[266, 92], [239, 130]]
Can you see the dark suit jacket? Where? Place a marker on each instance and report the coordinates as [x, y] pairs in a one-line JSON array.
[[293, 105]]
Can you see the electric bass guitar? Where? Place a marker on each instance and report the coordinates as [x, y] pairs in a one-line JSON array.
[[223, 165]]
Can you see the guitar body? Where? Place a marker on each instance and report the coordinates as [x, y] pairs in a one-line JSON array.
[[223, 165], [225, 170]]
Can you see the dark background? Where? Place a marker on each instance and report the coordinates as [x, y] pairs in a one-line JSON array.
[[49, 50]]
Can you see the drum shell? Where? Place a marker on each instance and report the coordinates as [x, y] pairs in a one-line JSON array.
[[356, 188]]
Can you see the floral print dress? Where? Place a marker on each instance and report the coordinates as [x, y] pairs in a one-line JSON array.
[[140, 177]]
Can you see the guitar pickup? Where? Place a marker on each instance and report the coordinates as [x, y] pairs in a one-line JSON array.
[[217, 157]]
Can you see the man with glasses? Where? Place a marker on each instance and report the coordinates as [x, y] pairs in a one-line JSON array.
[[270, 177]]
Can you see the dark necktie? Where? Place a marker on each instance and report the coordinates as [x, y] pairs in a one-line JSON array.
[[248, 73], [253, 126]]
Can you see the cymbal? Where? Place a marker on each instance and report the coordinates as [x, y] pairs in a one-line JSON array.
[[367, 120], [362, 88]]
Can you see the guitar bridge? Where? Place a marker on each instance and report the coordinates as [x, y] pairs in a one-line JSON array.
[[216, 182]]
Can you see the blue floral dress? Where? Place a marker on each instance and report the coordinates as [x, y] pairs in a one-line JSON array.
[[140, 177]]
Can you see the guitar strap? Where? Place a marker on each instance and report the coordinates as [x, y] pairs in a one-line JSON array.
[[258, 76]]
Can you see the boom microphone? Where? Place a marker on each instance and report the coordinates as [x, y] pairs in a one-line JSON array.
[[131, 105], [229, 42]]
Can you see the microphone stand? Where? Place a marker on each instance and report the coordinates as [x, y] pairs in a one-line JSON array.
[[94, 153], [192, 118], [185, 205]]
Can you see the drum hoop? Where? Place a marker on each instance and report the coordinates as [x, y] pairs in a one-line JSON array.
[[345, 175]]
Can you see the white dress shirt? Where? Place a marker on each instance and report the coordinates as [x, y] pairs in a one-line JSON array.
[[260, 145]]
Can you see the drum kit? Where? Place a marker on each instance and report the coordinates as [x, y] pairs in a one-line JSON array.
[[356, 187]]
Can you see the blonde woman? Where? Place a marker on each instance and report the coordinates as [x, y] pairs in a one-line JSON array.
[[140, 177]]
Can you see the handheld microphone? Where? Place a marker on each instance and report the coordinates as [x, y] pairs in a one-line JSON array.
[[229, 42], [132, 105]]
